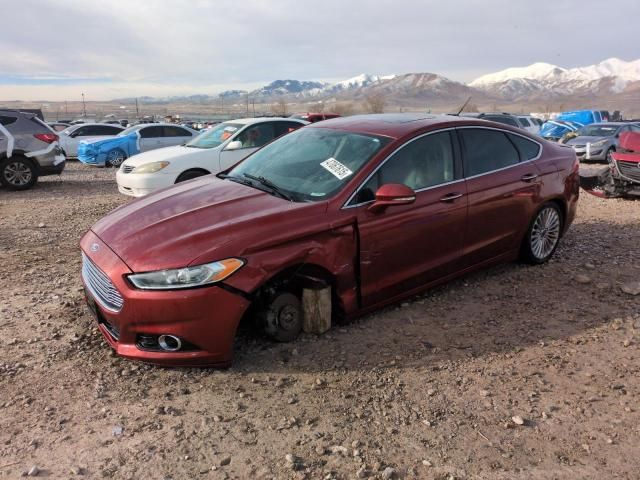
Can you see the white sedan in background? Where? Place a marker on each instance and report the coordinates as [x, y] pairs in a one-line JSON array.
[[213, 151], [71, 136]]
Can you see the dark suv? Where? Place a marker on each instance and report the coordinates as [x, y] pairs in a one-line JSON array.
[[29, 149]]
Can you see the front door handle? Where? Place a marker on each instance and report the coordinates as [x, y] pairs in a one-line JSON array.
[[529, 177], [450, 197]]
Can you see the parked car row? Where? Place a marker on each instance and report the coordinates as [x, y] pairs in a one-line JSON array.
[[337, 204]]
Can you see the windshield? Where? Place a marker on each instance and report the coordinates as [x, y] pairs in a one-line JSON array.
[[311, 164], [598, 131], [127, 131], [214, 136]]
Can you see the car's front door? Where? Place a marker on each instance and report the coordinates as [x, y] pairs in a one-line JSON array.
[[408, 246], [251, 138], [502, 183]]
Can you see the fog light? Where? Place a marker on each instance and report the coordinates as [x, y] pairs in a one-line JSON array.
[[169, 343]]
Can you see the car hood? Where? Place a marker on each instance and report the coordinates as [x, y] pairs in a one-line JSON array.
[[200, 221], [100, 140], [584, 140], [168, 153]]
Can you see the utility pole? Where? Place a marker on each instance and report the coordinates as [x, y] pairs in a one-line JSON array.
[[84, 108], [247, 104], [137, 110]]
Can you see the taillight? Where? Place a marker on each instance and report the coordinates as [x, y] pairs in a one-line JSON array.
[[47, 137]]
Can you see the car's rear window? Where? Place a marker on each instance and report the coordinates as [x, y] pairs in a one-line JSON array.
[[528, 148]]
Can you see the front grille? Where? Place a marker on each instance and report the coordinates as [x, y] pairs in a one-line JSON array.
[[629, 170], [100, 286], [127, 168]]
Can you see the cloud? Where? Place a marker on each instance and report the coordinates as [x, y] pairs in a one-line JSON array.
[[200, 44]]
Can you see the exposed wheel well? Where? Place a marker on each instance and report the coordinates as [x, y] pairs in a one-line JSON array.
[[562, 205], [293, 279], [192, 170]]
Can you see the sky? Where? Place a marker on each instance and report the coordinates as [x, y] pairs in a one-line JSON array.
[[59, 49]]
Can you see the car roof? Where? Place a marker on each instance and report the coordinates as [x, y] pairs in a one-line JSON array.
[[77, 125], [396, 125], [247, 121]]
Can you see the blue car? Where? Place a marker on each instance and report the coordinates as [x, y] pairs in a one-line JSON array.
[[112, 151], [568, 122]]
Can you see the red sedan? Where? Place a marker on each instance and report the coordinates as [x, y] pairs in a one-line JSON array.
[[377, 207]]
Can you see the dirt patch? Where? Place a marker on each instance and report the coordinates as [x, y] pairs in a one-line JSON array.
[[431, 388]]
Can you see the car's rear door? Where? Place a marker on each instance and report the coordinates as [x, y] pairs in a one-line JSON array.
[[503, 181], [151, 137], [405, 247], [175, 136]]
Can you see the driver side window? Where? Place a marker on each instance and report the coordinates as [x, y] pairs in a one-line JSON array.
[[422, 163], [256, 135]]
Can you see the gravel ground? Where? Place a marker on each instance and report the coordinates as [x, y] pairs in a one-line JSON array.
[[516, 372]]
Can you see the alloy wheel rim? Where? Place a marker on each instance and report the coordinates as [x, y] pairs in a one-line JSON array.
[[115, 158], [17, 173], [545, 233]]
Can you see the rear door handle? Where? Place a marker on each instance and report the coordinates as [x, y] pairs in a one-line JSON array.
[[529, 177], [450, 197]]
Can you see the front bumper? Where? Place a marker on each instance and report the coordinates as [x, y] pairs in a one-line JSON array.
[[204, 318], [141, 184]]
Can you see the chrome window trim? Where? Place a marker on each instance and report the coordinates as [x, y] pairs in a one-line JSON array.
[[508, 166], [346, 205], [464, 178]]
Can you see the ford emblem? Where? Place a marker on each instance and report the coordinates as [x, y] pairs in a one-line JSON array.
[[95, 247]]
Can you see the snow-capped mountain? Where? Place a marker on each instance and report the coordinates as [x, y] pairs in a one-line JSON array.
[[609, 76], [289, 87], [359, 81]]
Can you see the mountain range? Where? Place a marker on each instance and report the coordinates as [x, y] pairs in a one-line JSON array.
[[540, 82]]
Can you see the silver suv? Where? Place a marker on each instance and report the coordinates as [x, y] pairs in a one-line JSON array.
[[29, 149]]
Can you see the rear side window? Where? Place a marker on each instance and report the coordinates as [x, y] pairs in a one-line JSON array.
[[4, 120], [151, 132], [528, 149], [524, 122], [176, 132], [486, 150], [105, 130]]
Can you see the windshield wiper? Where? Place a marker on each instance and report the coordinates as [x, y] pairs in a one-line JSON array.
[[269, 184]]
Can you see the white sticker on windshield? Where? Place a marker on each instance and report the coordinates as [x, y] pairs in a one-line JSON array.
[[230, 129], [338, 170]]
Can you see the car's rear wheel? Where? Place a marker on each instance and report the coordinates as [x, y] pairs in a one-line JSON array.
[[115, 157], [18, 173], [543, 235], [190, 174], [282, 317]]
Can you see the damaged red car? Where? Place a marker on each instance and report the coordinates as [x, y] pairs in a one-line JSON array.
[[375, 207]]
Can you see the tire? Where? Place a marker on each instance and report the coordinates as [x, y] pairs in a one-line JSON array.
[[115, 157], [282, 317], [18, 173], [190, 174], [543, 235]]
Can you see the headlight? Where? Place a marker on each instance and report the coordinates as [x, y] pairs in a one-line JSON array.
[[152, 167], [599, 144], [186, 277]]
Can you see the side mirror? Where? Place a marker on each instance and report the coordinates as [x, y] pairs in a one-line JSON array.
[[392, 194], [235, 145]]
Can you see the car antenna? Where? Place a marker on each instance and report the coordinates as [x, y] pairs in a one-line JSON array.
[[462, 108]]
